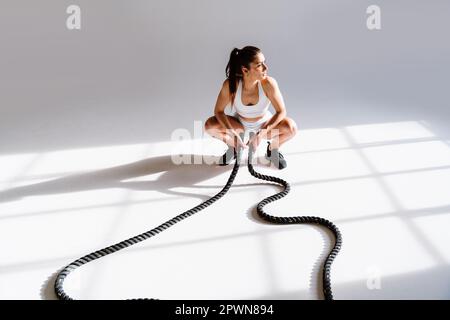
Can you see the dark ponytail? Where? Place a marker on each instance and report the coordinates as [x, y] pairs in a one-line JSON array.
[[239, 58]]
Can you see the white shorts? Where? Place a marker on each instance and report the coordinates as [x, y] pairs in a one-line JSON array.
[[254, 126]]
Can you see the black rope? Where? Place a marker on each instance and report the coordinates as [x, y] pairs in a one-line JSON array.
[[60, 278], [328, 294]]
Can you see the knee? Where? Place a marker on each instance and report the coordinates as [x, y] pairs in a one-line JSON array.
[[291, 127], [210, 123]]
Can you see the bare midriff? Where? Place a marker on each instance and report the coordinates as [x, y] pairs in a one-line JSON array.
[[251, 119]]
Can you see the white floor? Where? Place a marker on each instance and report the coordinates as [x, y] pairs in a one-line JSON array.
[[385, 185]]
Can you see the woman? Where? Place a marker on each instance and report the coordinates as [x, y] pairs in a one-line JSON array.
[[249, 90]]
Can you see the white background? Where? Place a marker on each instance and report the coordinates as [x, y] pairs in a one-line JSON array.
[[85, 114]]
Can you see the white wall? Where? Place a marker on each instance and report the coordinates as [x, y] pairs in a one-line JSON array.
[[139, 69]]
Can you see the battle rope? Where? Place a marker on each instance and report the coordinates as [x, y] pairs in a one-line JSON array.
[[328, 294], [60, 278]]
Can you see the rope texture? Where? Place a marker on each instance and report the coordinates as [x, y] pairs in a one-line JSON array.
[[62, 275]]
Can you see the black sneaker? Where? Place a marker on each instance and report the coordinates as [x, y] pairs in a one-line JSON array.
[[227, 157], [275, 157]]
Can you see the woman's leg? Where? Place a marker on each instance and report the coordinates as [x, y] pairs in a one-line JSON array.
[[284, 131], [215, 129]]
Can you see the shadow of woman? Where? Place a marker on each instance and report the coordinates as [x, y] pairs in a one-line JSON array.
[[173, 175]]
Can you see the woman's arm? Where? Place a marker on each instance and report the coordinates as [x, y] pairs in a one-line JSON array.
[[274, 95], [222, 101]]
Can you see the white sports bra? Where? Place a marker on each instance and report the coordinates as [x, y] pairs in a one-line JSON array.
[[252, 111]]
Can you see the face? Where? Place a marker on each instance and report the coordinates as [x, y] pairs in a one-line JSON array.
[[258, 68]]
